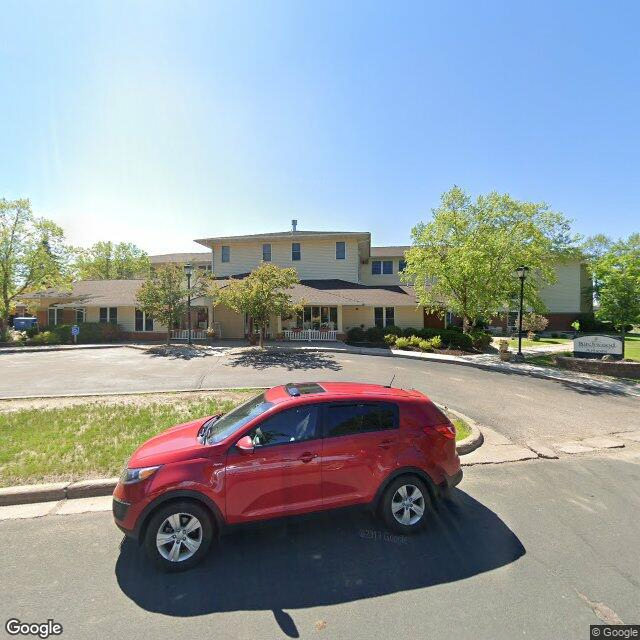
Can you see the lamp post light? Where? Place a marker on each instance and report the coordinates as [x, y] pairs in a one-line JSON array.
[[522, 274], [188, 269]]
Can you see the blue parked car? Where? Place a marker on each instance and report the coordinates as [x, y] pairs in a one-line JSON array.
[[22, 324]]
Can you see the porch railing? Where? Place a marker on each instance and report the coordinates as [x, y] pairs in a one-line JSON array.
[[310, 334], [183, 334]]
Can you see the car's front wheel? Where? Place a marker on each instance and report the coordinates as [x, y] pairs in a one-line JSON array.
[[406, 504], [178, 536]]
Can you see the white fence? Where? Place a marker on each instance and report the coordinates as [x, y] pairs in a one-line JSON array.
[[310, 334], [183, 334]]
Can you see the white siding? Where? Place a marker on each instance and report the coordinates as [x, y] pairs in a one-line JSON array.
[[318, 258], [366, 277], [565, 295]]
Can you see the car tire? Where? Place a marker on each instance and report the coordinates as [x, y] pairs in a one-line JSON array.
[[406, 504], [178, 536]]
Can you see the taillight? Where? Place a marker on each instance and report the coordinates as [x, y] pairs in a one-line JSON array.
[[447, 430]]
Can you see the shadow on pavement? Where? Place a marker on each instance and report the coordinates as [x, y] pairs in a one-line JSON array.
[[325, 559], [180, 352], [289, 359]]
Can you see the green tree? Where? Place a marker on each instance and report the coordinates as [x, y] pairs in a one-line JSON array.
[[111, 261], [264, 292], [33, 255], [164, 294], [616, 278], [465, 258]]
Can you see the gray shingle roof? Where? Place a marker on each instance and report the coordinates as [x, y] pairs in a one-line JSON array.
[[100, 293]]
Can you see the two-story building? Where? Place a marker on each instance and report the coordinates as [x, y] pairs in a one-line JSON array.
[[344, 282]]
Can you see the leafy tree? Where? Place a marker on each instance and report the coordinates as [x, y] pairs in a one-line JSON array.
[[465, 258], [616, 276], [33, 255], [532, 323], [111, 261], [261, 294], [164, 294]]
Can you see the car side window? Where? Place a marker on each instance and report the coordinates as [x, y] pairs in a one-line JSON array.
[[291, 425], [351, 419]]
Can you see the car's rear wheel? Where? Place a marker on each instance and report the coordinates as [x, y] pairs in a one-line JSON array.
[[406, 504], [178, 536]]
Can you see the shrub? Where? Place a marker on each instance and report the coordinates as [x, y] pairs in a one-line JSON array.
[[402, 343], [90, 332], [555, 334], [425, 345], [480, 339], [535, 337], [355, 334], [436, 342], [393, 330], [390, 339], [415, 341], [374, 334], [409, 331], [45, 337], [15, 336]]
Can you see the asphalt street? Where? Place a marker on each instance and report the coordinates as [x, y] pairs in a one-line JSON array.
[[535, 549], [519, 406]]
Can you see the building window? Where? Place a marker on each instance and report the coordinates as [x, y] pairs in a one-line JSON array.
[[266, 252], [144, 322], [55, 315], [80, 315], [318, 318], [384, 316], [402, 264], [295, 251], [381, 266], [341, 251], [109, 315], [205, 268], [389, 316], [226, 253]]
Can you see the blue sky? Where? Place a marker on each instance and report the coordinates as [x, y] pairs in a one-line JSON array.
[[162, 122]]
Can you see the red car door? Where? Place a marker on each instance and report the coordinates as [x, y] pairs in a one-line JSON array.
[[282, 475], [359, 450]]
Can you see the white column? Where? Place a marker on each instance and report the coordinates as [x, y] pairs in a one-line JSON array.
[[339, 327]]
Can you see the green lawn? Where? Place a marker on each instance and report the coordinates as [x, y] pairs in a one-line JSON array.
[[526, 343], [632, 346], [90, 440], [462, 428]]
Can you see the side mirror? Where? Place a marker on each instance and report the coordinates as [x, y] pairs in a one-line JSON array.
[[245, 444]]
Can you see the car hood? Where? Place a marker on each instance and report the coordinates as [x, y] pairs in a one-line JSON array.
[[173, 445]]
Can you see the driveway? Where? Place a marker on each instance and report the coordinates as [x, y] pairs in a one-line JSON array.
[[520, 407], [527, 550]]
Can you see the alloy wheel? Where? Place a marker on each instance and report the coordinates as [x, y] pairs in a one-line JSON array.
[[179, 537], [408, 505]]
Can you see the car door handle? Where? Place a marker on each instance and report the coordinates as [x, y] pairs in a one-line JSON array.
[[307, 456], [385, 444]]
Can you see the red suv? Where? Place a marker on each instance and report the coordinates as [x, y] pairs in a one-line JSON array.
[[291, 450]]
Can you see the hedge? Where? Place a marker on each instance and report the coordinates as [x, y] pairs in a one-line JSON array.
[[90, 332]]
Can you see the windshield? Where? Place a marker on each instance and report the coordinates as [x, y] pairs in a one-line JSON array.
[[218, 429]]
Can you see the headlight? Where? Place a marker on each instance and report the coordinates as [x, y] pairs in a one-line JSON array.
[[131, 476]]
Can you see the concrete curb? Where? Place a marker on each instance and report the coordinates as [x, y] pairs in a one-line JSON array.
[[56, 491], [60, 347], [473, 440]]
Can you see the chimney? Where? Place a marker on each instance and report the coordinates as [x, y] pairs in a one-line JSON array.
[[294, 224]]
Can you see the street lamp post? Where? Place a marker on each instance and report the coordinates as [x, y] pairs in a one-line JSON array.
[[188, 269], [522, 274]]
